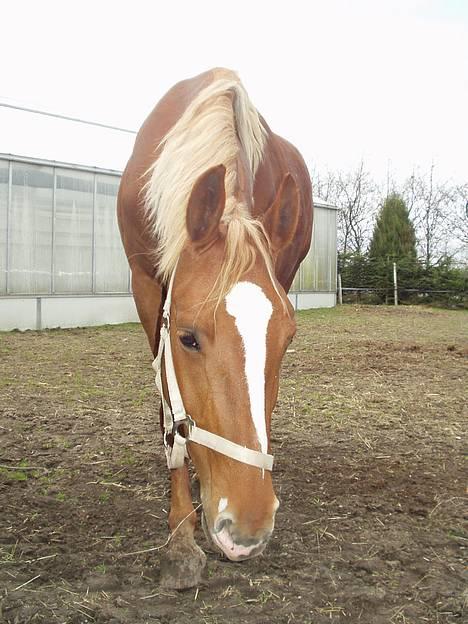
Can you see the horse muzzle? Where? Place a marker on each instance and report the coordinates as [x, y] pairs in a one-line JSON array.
[[237, 545]]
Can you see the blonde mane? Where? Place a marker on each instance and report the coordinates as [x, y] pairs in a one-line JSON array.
[[217, 124]]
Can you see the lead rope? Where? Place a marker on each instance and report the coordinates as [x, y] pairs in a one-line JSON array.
[[175, 414]]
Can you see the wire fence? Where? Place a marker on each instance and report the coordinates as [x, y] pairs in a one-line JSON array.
[[366, 279], [376, 295]]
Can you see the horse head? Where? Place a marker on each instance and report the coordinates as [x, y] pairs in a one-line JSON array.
[[231, 323]]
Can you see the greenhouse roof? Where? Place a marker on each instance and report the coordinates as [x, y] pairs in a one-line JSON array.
[[318, 201]]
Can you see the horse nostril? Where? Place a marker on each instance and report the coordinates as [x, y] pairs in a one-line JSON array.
[[222, 523]]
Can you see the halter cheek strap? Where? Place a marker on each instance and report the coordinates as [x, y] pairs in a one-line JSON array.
[[175, 415]]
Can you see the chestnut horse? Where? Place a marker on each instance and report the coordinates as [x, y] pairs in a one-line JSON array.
[[215, 213]]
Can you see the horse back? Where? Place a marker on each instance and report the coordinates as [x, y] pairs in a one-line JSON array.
[[280, 158]]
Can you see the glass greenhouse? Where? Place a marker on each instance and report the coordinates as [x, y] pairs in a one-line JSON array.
[[61, 259]]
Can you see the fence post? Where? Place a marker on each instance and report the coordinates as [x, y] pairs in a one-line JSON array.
[[340, 290], [395, 285]]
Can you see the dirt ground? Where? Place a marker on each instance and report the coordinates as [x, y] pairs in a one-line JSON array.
[[368, 444]]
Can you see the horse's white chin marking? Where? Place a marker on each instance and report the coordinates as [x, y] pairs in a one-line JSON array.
[[252, 310]]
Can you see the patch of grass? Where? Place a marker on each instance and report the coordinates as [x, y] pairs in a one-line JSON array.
[[94, 392], [16, 474], [458, 533], [104, 497], [49, 479], [8, 381], [128, 459], [144, 395], [266, 595], [8, 553], [317, 502], [63, 443], [319, 313]]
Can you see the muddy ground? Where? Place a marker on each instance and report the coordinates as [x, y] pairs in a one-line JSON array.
[[368, 440]]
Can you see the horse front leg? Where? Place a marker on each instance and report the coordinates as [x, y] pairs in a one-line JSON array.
[[183, 561]]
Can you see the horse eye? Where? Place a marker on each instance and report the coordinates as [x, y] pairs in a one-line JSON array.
[[189, 341]]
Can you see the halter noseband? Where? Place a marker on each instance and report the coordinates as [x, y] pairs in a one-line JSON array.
[[175, 414]]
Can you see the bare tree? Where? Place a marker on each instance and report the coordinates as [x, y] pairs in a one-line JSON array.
[[437, 210], [431, 205], [410, 193], [357, 196], [457, 223], [324, 186]]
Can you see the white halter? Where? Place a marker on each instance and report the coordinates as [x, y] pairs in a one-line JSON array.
[[175, 414]]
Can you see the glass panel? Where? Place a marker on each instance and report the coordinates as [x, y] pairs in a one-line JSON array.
[[295, 286], [332, 215], [321, 242], [30, 243], [3, 223], [309, 267], [73, 232], [111, 264], [309, 264], [319, 266]]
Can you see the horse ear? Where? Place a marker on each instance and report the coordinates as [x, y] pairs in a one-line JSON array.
[[281, 218], [206, 206]]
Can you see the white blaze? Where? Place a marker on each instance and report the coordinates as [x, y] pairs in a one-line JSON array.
[[252, 311]]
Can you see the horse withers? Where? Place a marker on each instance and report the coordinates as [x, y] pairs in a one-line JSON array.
[[215, 213]]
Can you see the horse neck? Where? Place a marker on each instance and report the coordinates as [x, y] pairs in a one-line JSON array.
[[243, 189]]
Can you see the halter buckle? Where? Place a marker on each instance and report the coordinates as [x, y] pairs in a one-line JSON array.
[[187, 421], [176, 444]]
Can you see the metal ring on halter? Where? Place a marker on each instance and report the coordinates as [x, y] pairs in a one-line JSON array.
[[169, 436], [189, 422]]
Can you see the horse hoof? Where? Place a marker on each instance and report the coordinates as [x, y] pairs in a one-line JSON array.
[[182, 565]]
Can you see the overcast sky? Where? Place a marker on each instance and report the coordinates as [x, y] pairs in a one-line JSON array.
[[385, 81]]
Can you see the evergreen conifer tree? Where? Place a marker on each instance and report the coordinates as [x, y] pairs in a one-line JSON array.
[[393, 240]]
